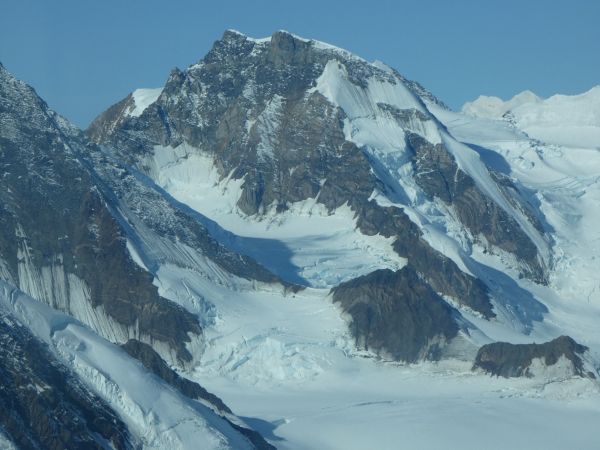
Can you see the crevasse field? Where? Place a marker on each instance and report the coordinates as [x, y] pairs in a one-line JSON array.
[[285, 361]]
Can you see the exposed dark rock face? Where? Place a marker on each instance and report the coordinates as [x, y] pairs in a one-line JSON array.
[[437, 173], [514, 360], [397, 314], [155, 364], [440, 272], [56, 230], [111, 117], [44, 406], [249, 106], [145, 205]]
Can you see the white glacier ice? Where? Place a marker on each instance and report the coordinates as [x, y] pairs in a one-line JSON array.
[[158, 416], [143, 98]]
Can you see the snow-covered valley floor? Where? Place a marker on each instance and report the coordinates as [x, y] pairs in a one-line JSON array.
[[373, 405], [286, 363]]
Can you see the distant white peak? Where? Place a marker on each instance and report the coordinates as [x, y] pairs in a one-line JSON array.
[[592, 96], [569, 120], [495, 107], [142, 98], [563, 119], [525, 97]]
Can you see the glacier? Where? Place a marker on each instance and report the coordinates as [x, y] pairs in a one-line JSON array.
[[278, 350]]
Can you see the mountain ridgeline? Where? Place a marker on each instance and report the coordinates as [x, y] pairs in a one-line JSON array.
[[90, 227], [60, 242], [66, 240], [263, 111]]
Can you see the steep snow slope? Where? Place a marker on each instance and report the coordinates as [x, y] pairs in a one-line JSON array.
[[158, 416], [143, 98], [564, 180], [370, 127], [286, 359]]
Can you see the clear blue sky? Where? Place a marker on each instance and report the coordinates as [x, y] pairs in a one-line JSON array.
[[82, 56]]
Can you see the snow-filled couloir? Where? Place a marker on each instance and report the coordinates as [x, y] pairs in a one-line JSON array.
[[323, 244]]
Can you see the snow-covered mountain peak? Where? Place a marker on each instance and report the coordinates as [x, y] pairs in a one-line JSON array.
[[572, 120], [494, 107], [526, 96], [289, 121], [286, 35], [280, 221]]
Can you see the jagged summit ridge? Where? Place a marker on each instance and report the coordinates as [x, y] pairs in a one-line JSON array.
[[342, 178], [280, 35], [284, 121], [495, 107]]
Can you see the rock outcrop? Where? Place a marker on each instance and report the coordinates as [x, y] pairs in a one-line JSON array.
[[59, 240], [252, 107], [517, 360], [397, 315], [44, 405]]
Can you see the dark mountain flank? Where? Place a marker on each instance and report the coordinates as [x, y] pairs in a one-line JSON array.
[[515, 360], [45, 406], [60, 242], [254, 108], [397, 314]]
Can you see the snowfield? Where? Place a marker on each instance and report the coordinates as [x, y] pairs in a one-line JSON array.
[[565, 120], [366, 404], [157, 416], [283, 358], [286, 362], [142, 98]]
